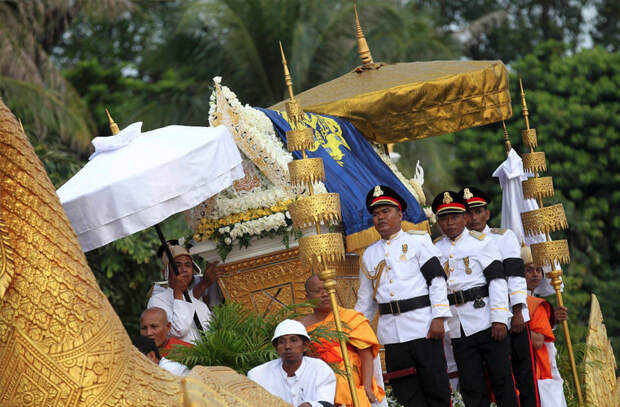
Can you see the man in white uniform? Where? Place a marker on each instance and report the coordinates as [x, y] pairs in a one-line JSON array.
[[479, 301], [510, 248], [297, 379], [402, 278], [182, 314]]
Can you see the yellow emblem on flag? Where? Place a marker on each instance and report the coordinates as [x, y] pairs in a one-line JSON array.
[[327, 134]]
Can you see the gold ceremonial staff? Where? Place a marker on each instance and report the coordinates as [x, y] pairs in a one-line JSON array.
[[314, 209], [545, 220]]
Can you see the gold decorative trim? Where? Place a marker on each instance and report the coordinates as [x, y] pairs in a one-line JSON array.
[[326, 246], [535, 162], [538, 188], [299, 139], [6, 269], [310, 210], [544, 220], [529, 138], [306, 171], [547, 253], [259, 261]]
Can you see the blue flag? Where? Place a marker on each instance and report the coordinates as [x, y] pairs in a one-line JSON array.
[[352, 167]]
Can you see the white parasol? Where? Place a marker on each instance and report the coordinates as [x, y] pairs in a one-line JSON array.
[[135, 180]]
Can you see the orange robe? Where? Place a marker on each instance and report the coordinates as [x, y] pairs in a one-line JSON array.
[[541, 313], [361, 336], [172, 342]]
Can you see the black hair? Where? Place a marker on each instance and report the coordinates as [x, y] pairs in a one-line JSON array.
[[145, 345]]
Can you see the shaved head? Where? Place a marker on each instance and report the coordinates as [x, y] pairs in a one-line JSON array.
[[154, 324], [309, 281], [155, 311]]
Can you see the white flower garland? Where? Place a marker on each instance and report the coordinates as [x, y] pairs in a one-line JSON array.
[[246, 200], [257, 226]]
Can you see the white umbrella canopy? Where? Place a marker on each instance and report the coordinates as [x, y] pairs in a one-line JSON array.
[[135, 180]]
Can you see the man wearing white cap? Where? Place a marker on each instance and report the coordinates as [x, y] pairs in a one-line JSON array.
[[180, 312], [297, 379]]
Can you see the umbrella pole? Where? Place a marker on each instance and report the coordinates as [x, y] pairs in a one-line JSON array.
[[176, 271]]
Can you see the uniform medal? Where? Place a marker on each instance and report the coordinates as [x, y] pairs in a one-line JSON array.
[[467, 269], [403, 257]]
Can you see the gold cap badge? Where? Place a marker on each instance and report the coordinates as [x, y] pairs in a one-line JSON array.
[[447, 198], [467, 194], [377, 192]]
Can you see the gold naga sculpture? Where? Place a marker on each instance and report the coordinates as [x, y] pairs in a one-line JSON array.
[[61, 343]]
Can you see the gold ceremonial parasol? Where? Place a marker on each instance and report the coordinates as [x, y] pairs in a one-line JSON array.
[[390, 103]]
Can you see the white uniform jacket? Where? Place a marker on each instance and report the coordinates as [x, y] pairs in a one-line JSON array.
[[508, 245], [465, 260], [313, 381], [173, 367], [181, 314], [407, 256]]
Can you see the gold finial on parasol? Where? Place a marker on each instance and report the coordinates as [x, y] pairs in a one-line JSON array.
[[506, 138], [287, 74], [545, 220], [362, 45], [113, 126]]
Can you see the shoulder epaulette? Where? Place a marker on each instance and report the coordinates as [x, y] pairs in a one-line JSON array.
[[417, 232], [498, 231], [477, 235], [438, 239]]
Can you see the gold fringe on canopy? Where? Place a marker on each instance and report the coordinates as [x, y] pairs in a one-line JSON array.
[[411, 101]]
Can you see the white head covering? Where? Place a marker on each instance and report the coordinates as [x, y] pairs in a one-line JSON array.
[[290, 327]]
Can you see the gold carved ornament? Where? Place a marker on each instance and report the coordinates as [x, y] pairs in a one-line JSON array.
[[61, 343], [306, 171], [534, 162], [546, 220], [538, 188], [601, 388], [310, 210]]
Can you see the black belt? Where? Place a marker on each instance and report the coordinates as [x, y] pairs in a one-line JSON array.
[[397, 307], [461, 297]]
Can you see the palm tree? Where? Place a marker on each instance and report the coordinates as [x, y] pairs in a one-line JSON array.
[[30, 81]]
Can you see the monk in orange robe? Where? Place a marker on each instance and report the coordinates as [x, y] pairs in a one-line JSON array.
[[362, 345], [542, 320]]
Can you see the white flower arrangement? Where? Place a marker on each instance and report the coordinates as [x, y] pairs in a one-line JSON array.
[[245, 200], [260, 141]]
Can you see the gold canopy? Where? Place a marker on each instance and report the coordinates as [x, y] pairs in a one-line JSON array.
[[411, 101]]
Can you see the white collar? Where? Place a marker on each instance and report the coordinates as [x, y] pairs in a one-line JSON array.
[[393, 237], [298, 372]]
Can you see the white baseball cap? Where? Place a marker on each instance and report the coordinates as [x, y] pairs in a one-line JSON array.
[[290, 327]]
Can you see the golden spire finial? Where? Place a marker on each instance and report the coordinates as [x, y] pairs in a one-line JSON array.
[[287, 74], [113, 127], [525, 113], [506, 138], [362, 45]]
